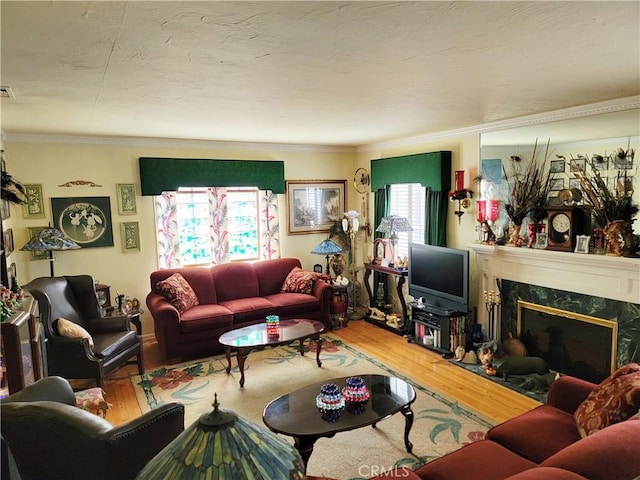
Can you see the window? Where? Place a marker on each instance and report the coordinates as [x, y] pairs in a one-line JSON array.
[[194, 225], [408, 200]]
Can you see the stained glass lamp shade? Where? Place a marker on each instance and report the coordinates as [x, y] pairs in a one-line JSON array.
[[392, 225], [49, 240], [327, 247], [222, 445]]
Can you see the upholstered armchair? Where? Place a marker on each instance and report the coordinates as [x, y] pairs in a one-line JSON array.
[[110, 342], [49, 438]]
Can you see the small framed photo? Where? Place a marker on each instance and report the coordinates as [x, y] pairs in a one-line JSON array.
[[541, 240], [599, 162], [7, 241], [623, 163], [582, 243], [578, 164], [557, 166], [317, 268], [130, 233], [575, 183], [35, 203], [33, 233], [126, 193], [556, 184]]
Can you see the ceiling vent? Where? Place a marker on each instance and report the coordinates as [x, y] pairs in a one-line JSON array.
[[6, 92]]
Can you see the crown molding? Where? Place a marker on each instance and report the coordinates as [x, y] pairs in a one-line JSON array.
[[617, 105], [610, 106], [173, 142]]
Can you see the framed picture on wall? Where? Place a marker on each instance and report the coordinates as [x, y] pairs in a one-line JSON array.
[[86, 220], [130, 236], [33, 232], [126, 193], [314, 206], [35, 203], [557, 166]]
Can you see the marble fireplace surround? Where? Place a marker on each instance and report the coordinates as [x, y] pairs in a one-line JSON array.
[[596, 285]]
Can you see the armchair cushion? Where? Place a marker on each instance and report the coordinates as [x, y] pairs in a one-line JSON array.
[[178, 292], [616, 399], [67, 328]]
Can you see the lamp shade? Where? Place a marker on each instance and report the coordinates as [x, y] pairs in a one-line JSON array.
[[49, 239], [394, 224], [327, 247], [222, 445]]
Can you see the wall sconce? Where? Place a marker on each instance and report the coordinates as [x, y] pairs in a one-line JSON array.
[[461, 194]]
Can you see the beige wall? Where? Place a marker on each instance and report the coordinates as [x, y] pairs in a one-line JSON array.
[[108, 163], [52, 164]]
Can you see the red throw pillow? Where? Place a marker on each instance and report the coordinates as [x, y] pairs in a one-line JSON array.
[[178, 292], [299, 281], [616, 399]]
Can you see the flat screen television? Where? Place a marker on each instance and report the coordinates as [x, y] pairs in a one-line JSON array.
[[441, 276]]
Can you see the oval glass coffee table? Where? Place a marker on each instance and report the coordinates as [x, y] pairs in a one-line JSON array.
[[295, 414], [255, 337]]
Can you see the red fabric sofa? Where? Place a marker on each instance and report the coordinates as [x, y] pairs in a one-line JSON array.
[[543, 443], [230, 296]]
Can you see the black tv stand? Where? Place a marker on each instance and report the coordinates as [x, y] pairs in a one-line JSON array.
[[438, 329]]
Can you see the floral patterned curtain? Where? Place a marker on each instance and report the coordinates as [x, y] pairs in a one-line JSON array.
[[269, 225], [167, 227], [219, 225], [167, 230]]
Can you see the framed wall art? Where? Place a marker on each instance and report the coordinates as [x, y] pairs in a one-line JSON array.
[[7, 241], [130, 236], [314, 206], [35, 202], [33, 232], [126, 193], [5, 210], [86, 220], [557, 166]]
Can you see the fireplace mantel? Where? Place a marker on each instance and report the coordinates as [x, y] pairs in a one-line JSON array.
[[617, 278]]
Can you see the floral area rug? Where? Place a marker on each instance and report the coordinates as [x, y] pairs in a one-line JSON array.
[[440, 425]]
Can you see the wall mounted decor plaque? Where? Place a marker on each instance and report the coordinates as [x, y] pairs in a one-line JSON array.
[[86, 220]]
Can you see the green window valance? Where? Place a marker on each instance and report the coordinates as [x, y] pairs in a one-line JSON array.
[[159, 175], [431, 170]]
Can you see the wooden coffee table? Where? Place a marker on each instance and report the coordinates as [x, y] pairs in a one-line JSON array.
[[295, 414], [254, 337]]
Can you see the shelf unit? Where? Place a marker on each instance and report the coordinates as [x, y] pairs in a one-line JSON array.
[[442, 333], [23, 360], [400, 277]]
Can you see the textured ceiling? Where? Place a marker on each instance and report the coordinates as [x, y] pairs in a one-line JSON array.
[[307, 72]]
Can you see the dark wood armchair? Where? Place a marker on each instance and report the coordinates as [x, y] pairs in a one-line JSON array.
[[74, 298], [46, 437]]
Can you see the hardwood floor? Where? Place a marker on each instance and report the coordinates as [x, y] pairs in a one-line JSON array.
[[484, 397]]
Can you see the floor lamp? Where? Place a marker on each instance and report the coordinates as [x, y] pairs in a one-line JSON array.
[[50, 240], [350, 225]]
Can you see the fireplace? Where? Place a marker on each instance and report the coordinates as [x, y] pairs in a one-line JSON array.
[[572, 343], [598, 287]]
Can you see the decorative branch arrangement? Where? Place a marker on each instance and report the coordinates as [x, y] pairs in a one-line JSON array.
[[528, 190]]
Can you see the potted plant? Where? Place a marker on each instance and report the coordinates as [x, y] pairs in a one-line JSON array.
[[613, 209]]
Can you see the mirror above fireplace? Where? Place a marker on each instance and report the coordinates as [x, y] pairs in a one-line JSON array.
[[592, 130]]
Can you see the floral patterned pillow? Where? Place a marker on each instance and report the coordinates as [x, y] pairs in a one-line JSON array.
[[299, 281], [616, 399], [92, 400], [178, 292]]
